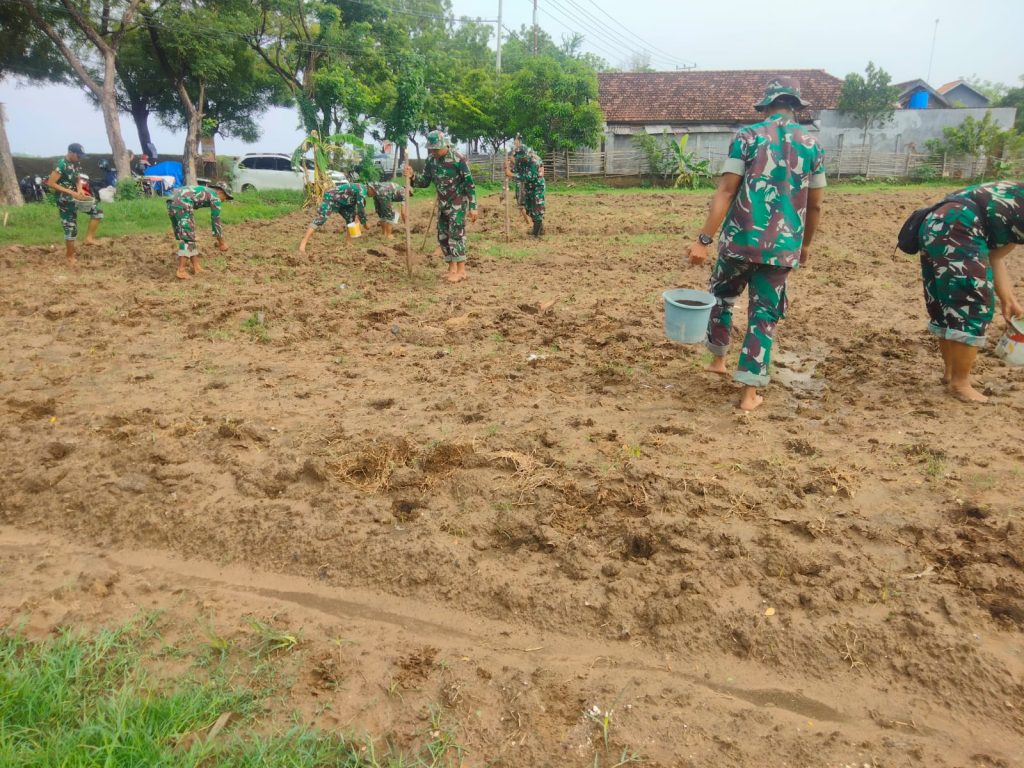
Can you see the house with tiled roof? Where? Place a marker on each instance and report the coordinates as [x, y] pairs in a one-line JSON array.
[[709, 105], [958, 93]]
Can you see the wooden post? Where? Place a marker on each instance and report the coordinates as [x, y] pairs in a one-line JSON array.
[[429, 222], [839, 163], [867, 165], [508, 214], [408, 226], [945, 155]]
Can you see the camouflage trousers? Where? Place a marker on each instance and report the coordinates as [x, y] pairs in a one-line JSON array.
[[385, 210], [533, 199], [183, 222], [767, 306], [68, 211], [451, 231], [958, 290]]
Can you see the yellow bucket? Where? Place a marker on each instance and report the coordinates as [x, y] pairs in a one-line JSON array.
[[354, 230]]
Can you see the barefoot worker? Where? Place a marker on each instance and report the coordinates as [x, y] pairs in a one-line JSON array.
[[770, 199], [964, 243], [385, 194], [455, 194], [180, 207], [528, 169], [347, 199], [66, 181]]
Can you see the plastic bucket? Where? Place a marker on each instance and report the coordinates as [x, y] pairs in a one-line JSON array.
[[687, 312], [397, 218], [1011, 347], [354, 230]]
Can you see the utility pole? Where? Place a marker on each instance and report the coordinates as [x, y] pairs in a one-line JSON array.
[[499, 37], [534, 27], [932, 57]]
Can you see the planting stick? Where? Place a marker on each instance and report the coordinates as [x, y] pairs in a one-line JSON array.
[[429, 222], [508, 222], [408, 227]]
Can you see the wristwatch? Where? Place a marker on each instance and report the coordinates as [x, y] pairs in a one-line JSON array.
[[705, 239]]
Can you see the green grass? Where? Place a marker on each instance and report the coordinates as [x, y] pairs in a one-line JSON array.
[[37, 223], [80, 701]]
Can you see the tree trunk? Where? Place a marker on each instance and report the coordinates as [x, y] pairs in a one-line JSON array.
[[111, 116], [10, 193], [140, 116], [194, 115]]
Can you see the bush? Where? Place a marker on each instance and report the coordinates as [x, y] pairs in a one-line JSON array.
[[127, 189], [925, 173]]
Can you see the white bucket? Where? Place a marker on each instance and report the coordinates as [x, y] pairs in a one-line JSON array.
[[354, 230], [1011, 347]]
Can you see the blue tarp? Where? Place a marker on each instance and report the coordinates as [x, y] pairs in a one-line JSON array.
[[167, 168]]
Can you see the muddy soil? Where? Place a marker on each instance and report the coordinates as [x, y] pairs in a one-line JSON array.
[[518, 501]]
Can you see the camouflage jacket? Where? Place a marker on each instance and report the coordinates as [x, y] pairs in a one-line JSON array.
[[343, 198], [189, 198], [453, 179], [1003, 204], [68, 175], [526, 166], [779, 163]]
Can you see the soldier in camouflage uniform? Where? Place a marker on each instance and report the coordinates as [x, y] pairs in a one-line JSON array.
[[65, 180], [528, 170], [385, 194], [347, 199], [180, 207], [769, 197], [964, 243], [456, 194]]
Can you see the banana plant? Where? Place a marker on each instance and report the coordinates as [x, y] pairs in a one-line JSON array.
[[689, 171], [338, 146]]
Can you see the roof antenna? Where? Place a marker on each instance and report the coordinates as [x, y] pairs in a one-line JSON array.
[[932, 57]]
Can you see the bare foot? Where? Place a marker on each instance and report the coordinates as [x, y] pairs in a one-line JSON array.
[[196, 269], [73, 261], [451, 277], [89, 241], [181, 274], [750, 400], [966, 393], [717, 366]]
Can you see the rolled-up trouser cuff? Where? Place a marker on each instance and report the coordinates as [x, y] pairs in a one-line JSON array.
[[951, 334], [716, 350], [751, 379]]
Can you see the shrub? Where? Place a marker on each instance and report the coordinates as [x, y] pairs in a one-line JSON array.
[[127, 189]]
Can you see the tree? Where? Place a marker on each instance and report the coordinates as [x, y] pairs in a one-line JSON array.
[[869, 99], [405, 111], [990, 89], [974, 137], [26, 53], [552, 104], [1015, 98], [78, 28]]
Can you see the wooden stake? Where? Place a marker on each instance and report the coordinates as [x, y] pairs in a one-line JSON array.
[[508, 222], [408, 226], [430, 221]]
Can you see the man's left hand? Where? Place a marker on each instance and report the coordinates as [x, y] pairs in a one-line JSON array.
[[1012, 308], [472, 215], [805, 255]]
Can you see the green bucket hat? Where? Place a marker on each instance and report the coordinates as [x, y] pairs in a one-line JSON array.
[[780, 86], [436, 140]]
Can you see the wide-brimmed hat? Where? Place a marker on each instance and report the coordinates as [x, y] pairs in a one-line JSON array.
[[222, 188], [778, 87], [436, 140]]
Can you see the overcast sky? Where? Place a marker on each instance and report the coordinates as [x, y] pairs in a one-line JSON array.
[[982, 38]]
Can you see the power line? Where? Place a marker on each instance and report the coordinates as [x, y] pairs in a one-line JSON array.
[[605, 49], [616, 34], [632, 34]]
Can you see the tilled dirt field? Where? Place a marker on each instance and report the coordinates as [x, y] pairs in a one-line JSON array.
[[516, 511]]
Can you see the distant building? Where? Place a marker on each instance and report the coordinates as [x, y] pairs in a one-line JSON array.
[[917, 94], [959, 93], [709, 105]]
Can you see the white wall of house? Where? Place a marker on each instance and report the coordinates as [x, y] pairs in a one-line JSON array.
[[908, 126]]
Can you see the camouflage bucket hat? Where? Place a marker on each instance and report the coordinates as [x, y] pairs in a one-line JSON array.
[[436, 140], [780, 86]]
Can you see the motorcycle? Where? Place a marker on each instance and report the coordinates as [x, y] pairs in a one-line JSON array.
[[32, 189], [109, 179]]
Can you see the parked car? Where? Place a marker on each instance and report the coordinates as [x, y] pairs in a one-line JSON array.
[[385, 163], [272, 171]]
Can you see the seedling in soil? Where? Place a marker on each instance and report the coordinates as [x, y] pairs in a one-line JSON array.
[[219, 334], [268, 639], [632, 451], [256, 326]]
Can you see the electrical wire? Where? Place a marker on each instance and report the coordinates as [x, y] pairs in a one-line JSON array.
[[610, 34], [637, 37], [606, 51]]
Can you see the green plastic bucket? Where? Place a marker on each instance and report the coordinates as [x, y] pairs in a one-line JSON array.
[[687, 312]]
